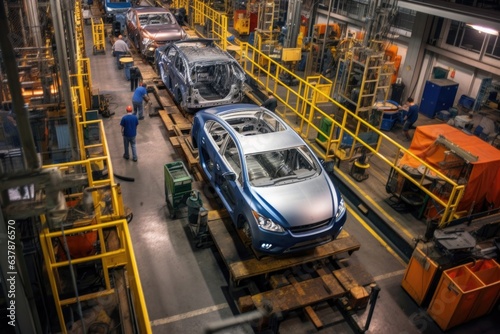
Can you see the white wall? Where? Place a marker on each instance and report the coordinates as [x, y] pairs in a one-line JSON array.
[[469, 78]]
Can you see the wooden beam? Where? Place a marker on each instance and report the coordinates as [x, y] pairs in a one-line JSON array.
[[167, 121], [192, 161], [313, 317], [242, 264], [174, 140], [287, 299]]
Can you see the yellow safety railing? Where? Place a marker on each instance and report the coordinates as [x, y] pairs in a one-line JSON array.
[[79, 37], [309, 106], [98, 35], [320, 83], [181, 4], [81, 85], [306, 115], [108, 218], [214, 23]]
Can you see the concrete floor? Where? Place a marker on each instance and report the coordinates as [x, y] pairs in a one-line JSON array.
[[185, 287]]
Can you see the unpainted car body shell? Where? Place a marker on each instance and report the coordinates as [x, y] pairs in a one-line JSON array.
[[199, 74], [306, 210]]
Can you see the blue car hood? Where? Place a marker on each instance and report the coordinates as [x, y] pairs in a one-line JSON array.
[[300, 203]]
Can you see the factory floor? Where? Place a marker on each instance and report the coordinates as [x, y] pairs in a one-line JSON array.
[[186, 287]]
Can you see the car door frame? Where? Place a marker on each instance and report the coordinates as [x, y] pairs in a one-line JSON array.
[[166, 65], [230, 195], [132, 18]]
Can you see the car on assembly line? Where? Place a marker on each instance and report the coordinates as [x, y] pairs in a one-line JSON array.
[[113, 8], [270, 181], [199, 74], [151, 27]]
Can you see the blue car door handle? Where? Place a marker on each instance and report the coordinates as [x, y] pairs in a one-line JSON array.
[[203, 140]]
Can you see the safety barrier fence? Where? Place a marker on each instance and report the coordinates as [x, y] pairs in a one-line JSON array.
[[107, 216], [309, 106]]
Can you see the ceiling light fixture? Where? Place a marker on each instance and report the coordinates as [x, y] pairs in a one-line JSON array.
[[483, 29]]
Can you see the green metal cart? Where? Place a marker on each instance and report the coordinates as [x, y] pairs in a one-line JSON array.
[[178, 183]]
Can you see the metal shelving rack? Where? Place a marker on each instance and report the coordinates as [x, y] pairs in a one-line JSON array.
[[363, 78]]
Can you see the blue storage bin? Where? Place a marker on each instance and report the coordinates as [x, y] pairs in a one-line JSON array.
[[387, 124], [443, 115], [389, 119], [466, 102]]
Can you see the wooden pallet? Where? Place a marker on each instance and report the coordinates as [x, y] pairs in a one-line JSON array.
[[289, 291], [242, 264]]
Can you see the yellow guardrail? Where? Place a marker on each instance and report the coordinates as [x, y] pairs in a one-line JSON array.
[[109, 217], [306, 114], [79, 37], [98, 35], [308, 107], [91, 179]]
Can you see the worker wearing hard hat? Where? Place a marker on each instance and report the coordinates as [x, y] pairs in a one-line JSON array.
[[129, 124]]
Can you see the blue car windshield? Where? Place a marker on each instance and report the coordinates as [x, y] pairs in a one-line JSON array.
[[278, 167]]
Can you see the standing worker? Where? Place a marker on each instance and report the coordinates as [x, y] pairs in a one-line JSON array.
[[129, 124], [410, 117], [120, 49], [140, 96], [135, 77], [271, 103]]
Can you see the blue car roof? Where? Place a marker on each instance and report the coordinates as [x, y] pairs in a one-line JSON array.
[[256, 143]]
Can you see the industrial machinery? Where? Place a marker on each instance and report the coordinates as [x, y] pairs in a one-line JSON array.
[[58, 191], [291, 52], [267, 32], [364, 75]]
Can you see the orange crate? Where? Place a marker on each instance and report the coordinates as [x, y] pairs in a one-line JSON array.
[[419, 274], [488, 272], [455, 297]]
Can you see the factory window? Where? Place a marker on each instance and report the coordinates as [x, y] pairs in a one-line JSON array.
[[465, 37], [493, 47], [357, 9], [404, 19]]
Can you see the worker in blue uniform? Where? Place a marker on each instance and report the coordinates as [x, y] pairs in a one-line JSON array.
[[140, 96], [410, 116]]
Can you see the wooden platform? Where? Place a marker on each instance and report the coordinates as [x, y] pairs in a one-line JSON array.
[[290, 291], [242, 264]]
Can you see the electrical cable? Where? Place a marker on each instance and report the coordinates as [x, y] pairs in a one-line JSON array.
[[124, 178]]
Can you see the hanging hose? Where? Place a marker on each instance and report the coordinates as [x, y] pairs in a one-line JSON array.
[[73, 278]]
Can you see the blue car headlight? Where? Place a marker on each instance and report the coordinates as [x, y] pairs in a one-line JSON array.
[[340, 209], [267, 223]]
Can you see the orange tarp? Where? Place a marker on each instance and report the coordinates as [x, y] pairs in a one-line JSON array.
[[483, 184]]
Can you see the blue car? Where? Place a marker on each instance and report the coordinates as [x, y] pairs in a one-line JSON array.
[[271, 183]]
